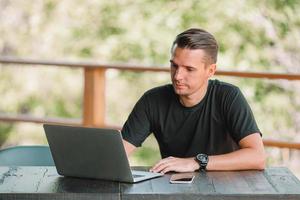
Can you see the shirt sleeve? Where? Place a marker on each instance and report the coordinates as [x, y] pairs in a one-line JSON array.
[[137, 127], [239, 120]]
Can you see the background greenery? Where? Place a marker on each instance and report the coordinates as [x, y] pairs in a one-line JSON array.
[[253, 36]]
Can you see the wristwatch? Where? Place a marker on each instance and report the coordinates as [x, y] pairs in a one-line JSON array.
[[202, 159]]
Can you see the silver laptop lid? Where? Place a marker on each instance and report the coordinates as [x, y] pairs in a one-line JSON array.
[[88, 152]]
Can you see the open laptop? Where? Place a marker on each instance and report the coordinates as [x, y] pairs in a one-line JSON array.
[[91, 153]]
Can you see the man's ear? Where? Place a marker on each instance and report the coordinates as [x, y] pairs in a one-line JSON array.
[[212, 69]]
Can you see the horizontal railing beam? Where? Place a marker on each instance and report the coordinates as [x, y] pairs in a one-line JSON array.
[[281, 144], [39, 120], [291, 77], [48, 120], [138, 68], [79, 64]]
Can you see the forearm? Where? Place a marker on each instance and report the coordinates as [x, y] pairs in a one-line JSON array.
[[243, 159], [129, 148]]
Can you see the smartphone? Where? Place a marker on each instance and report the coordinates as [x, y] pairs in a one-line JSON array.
[[182, 178]]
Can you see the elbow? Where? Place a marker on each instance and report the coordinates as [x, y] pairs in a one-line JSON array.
[[260, 163]]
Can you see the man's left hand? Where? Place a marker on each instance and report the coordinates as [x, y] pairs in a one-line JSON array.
[[175, 164]]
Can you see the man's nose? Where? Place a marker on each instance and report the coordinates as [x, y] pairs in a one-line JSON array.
[[178, 74]]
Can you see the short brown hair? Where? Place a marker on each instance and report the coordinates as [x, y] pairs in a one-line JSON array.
[[195, 38]]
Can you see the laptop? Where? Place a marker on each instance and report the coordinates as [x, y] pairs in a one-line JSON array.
[[92, 153]]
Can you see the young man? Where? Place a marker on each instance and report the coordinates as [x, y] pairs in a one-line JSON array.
[[198, 123]]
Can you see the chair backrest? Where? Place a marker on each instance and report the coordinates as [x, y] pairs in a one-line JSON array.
[[36, 155]]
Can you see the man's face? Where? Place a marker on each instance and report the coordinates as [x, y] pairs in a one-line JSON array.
[[189, 71]]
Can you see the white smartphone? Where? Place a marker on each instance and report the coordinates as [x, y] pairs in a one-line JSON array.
[[182, 178]]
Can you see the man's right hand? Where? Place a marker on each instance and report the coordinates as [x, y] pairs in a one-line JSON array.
[[176, 165]]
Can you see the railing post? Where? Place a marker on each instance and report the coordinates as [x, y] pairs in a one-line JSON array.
[[94, 97]]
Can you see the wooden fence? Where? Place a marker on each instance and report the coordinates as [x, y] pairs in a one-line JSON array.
[[94, 92]]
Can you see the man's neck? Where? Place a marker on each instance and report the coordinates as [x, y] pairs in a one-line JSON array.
[[195, 98]]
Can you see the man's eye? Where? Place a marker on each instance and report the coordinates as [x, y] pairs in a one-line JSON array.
[[190, 69], [173, 65]]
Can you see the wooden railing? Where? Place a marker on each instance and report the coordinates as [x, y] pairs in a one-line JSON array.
[[94, 92]]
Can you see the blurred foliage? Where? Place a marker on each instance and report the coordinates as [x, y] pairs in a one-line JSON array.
[[5, 129], [253, 36]]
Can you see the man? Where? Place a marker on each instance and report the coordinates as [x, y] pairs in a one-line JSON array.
[[198, 123]]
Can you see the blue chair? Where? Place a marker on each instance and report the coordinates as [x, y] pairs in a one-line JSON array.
[[36, 155]]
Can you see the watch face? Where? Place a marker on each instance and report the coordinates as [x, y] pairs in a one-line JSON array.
[[203, 158]]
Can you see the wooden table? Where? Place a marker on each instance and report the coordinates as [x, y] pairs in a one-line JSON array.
[[45, 183]]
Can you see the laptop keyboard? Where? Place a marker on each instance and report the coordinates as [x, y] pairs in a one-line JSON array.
[[137, 176]]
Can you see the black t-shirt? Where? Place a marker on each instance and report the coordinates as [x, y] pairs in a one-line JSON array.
[[213, 126]]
